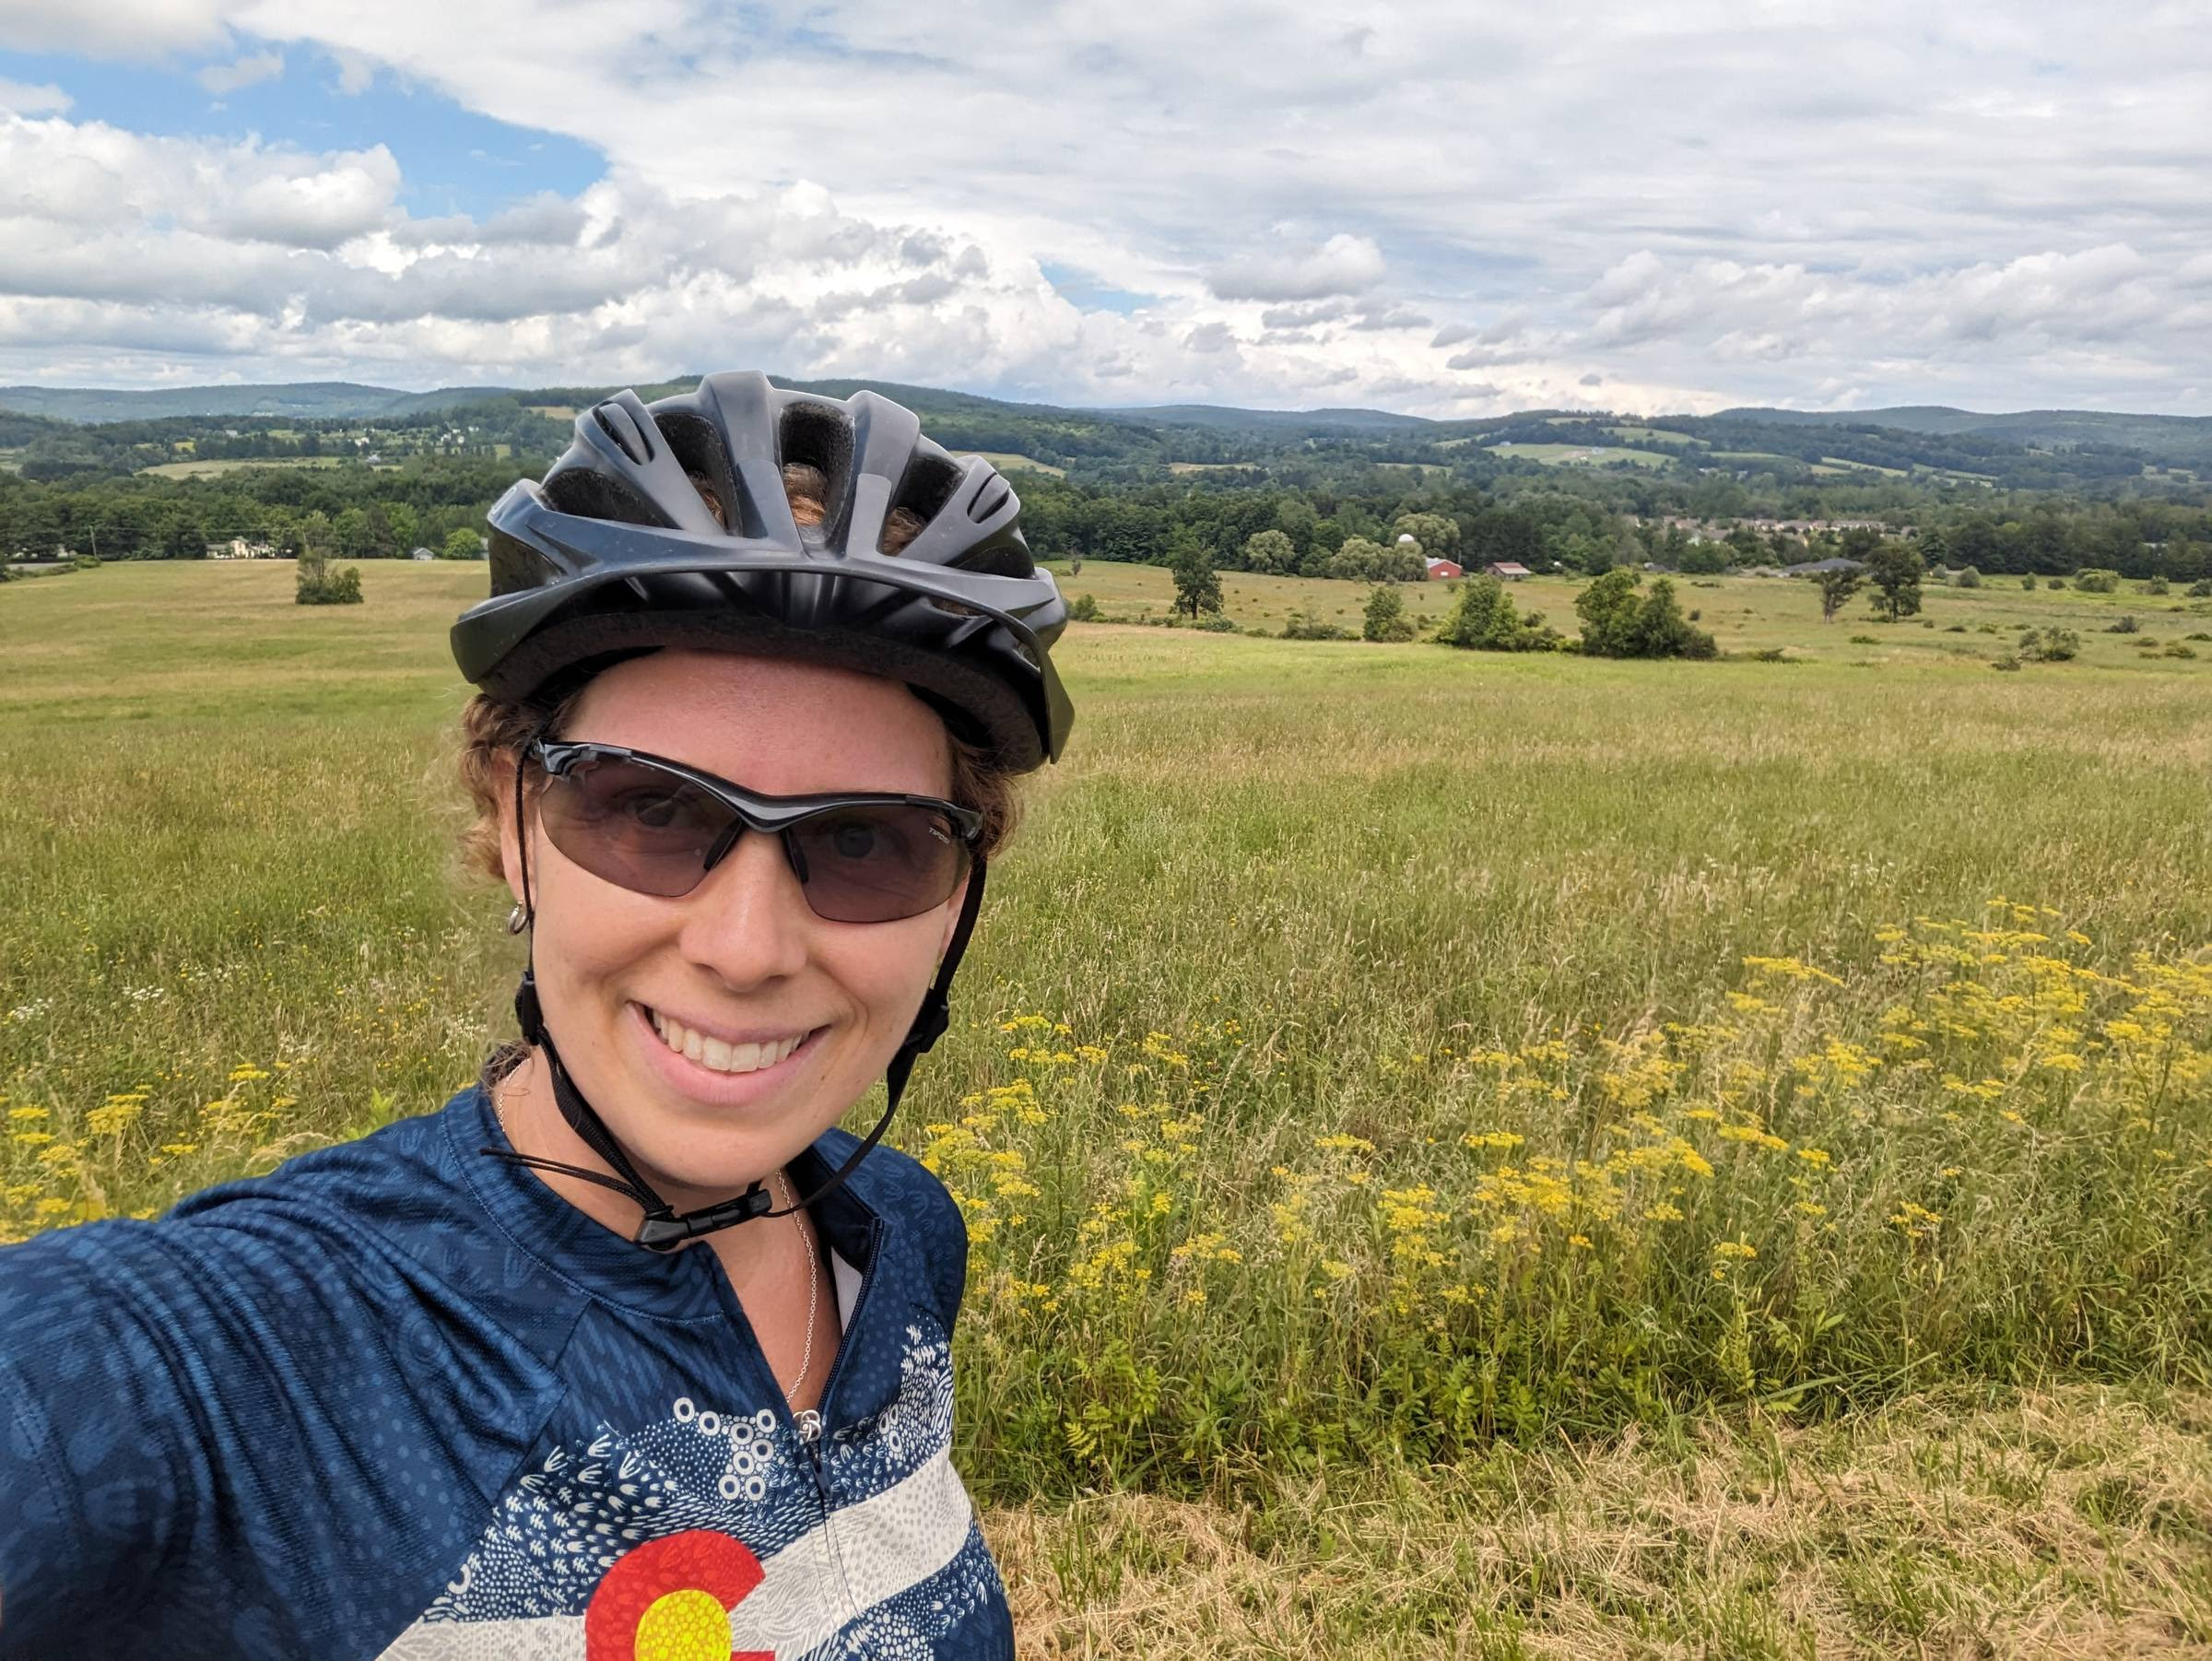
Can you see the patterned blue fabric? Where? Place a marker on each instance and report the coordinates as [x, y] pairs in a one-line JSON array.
[[397, 1400]]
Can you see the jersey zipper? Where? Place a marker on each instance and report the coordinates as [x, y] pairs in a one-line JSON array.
[[809, 1423]]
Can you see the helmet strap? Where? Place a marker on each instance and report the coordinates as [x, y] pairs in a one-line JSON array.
[[662, 1228]]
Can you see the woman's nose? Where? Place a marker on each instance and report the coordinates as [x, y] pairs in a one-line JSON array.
[[748, 922]]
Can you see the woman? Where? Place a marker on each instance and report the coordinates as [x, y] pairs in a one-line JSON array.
[[627, 1352]]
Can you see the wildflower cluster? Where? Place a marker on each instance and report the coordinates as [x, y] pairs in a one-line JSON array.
[[1827, 1182]]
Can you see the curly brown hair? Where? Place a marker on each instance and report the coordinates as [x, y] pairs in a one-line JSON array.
[[495, 731]]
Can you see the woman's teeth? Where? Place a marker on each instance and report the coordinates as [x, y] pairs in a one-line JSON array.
[[719, 1057]]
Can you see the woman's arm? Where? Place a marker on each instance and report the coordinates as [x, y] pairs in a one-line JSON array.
[[94, 1463]]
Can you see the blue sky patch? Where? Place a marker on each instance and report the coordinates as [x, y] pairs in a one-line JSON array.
[[1081, 289], [452, 160]]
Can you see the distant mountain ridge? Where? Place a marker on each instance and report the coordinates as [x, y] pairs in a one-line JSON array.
[[2173, 438], [312, 400], [344, 400], [48, 432]]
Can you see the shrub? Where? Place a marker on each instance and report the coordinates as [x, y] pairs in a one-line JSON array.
[[1617, 623], [1215, 623], [2051, 645], [2007, 662], [1387, 619], [2175, 649], [317, 584], [2092, 580], [1968, 577], [1485, 619], [1956, 629], [1865, 640], [2050, 581], [2197, 637], [2028, 582], [1075, 566], [2156, 585], [1085, 609], [2201, 589], [1772, 654], [84, 562], [1299, 626], [2127, 625]]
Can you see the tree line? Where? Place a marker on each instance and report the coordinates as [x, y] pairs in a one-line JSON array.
[[1344, 523]]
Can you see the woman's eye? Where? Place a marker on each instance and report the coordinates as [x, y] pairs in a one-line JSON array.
[[852, 840], [654, 810]]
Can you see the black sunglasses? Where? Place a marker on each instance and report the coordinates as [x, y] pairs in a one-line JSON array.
[[656, 827]]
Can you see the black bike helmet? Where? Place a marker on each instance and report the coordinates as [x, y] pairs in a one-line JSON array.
[[668, 524], [619, 549]]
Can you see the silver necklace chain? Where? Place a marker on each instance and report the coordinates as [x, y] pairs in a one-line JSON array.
[[809, 1422], [814, 1290]]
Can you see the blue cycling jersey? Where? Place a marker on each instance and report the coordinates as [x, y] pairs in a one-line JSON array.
[[400, 1400]]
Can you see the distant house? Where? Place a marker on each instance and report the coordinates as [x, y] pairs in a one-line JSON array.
[[1511, 571], [238, 547], [422, 553], [1443, 570]]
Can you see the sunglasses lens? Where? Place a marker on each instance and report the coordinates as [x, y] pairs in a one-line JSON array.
[[877, 864], [637, 826]]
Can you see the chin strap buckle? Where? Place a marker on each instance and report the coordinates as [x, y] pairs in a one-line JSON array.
[[666, 1231], [930, 1023], [528, 1014]]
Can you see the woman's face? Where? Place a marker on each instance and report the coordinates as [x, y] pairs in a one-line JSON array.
[[740, 959]]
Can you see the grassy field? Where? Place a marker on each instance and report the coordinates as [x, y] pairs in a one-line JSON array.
[[1466, 1155], [1580, 455], [208, 469], [1745, 614], [1004, 459]]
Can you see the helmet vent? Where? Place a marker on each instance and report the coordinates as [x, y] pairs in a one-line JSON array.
[[815, 436], [989, 500], [591, 494], [615, 422], [929, 483], [699, 448]]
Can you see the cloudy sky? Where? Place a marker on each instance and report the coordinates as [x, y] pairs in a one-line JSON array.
[[1439, 206]]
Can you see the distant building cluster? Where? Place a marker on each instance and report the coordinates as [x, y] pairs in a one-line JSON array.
[[1716, 530]]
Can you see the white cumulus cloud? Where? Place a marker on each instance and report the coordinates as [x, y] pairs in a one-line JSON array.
[[1445, 208]]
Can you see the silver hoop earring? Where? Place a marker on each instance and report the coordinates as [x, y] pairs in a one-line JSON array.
[[517, 920]]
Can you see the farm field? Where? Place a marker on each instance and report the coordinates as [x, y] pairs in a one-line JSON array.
[[1466, 1154], [1580, 454], [208, 469], [1004, 459], [1745, 614]]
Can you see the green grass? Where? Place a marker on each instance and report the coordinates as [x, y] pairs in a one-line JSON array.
[[1558, 455], [208, 469], [1761, 458], [1312, 915], [1004, 459], [1665, 437], [1745, 614]]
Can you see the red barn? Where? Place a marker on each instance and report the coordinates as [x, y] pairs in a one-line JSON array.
[[1441, 571]]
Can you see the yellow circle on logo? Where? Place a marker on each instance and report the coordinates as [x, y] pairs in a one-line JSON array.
[[691, 1625]]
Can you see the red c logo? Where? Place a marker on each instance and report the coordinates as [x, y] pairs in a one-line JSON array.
[[670, 1601]]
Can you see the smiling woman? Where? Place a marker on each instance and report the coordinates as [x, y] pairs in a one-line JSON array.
[[758, 673]]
